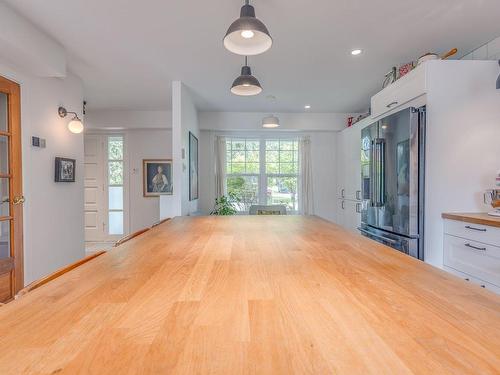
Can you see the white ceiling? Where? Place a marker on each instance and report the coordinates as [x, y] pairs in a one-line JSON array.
[[127, 52]]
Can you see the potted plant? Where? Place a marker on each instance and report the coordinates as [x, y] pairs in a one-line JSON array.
[[224, 205]]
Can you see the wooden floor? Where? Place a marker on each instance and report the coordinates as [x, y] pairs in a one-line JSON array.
[[252, 295]]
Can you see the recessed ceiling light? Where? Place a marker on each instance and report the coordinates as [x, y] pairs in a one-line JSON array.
[[356, 52], [307, 106]]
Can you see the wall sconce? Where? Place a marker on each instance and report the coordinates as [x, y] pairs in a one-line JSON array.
[[75, 125]]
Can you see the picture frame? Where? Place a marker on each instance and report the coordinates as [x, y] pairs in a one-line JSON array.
[[65, 170], [157, 175], [193, 167]]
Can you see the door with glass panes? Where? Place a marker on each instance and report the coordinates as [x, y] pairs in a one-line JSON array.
[[11, 198], [104, 187]]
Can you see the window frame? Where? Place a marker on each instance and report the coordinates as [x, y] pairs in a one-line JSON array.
[[263, 177]]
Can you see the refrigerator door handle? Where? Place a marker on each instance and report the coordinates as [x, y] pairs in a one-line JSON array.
[[391, 241]]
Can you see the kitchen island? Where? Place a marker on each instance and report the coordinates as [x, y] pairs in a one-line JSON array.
[[253, 295]]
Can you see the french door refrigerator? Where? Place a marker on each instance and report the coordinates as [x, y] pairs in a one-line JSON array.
[[392, 179]]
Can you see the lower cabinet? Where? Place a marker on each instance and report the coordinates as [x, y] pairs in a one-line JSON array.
[[349, 214], [473, 253]]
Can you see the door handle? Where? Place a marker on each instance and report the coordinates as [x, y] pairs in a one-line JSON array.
[[19, 200], [358, 195], [391, 104], [478, 229], [343, 205], [475, 247], [342, 193], [358, 208]]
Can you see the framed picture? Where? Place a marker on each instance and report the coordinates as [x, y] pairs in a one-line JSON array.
[[65, 170], [157, 177], [193, 167]]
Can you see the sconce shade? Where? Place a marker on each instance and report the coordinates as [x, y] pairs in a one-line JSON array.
[[247, 35], [75, 126]]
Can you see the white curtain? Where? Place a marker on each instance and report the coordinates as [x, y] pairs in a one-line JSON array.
[[305, 178], [220, 166]]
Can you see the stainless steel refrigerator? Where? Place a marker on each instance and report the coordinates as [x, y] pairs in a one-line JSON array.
[[392, 178]]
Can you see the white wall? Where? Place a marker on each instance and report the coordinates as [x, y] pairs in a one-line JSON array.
[[320, 127], [127, 119], [53, 212], [488, 51], [148, 135], [304, 121], [144, 144], [463, 151], [184, 120]]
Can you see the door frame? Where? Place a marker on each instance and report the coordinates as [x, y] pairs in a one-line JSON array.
[[13, 91], [103, 135]]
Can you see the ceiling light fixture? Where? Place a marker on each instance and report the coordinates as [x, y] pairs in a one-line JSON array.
[[246, 84], [270, 122], [75, 125], [247, 35], [307, 106], [356, 52]]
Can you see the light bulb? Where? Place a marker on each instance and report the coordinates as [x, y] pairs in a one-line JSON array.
[[247, 34]]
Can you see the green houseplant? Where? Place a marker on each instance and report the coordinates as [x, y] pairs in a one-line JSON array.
[[224, 205]]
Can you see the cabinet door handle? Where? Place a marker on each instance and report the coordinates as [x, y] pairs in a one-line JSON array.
[[343, 205], [475, 247], [478, 229], [358, 208], [342, 193], [358, 195], [391, 104]]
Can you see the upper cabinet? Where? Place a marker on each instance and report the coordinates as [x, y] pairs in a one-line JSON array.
[[402, 91]]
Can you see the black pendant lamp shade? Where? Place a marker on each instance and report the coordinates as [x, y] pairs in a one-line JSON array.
[[246, 84], [247, 35], [498, 79]]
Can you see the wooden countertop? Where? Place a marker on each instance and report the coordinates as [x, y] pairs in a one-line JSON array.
[[474, 218], [252, 295]]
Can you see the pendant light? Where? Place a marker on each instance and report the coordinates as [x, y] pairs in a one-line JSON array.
[[246, 84], [270, 122], [247, 35]]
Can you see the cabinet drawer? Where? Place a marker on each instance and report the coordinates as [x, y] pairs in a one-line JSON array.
[[476, 232], [473, 280], [400, 92], [480, 260]]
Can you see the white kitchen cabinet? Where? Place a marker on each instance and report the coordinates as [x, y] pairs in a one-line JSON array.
[[400, 92], [349, 214], [474, 251]]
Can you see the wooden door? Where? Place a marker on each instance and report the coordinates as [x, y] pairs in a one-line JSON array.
[[11, 198]]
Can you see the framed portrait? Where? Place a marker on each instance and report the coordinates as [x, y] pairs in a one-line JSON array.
[[157, 177], [65, 170], [193, 167]]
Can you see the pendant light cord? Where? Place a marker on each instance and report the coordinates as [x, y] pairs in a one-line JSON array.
[[247, 2]]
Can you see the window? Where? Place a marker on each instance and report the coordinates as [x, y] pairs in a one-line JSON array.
[[263, 172], [243, 171], [115, 185], [282, 169]]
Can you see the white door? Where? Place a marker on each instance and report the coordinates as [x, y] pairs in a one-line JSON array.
[[105, 182], [94, 188]]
